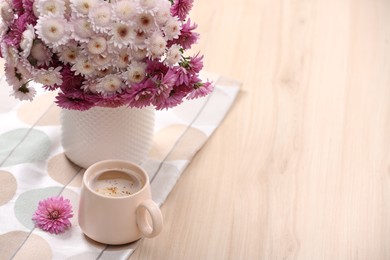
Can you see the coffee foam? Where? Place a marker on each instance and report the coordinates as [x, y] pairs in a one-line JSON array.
[[117, 183]]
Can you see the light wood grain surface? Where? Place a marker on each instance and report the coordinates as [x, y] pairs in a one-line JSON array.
[[300, 167]]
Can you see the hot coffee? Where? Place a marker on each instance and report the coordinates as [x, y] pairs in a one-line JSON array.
[[116, 205], [117, 183]]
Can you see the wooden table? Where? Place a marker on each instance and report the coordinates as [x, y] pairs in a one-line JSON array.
[[300, 167]]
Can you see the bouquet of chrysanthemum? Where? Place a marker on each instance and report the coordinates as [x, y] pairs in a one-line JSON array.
[[102, 53]]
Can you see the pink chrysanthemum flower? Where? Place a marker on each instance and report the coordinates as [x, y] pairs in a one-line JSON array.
[[53, 215], [111, 101], [155, 67], [201, 90], [187, 36], [18, 6], [168, 81], [16, 30], [76, 100], [163, 87], [141, 94], [195, 64], [70, 81], [189, 67], [28, 5], [106, 52], [181, 8], [182, 75], [174, 98]]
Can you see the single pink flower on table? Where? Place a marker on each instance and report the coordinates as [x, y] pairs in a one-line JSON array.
[[53, 215]]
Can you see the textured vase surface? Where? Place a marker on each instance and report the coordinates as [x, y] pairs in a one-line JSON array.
[[102, 133]]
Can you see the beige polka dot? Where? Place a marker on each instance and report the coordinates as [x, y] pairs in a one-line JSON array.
[[164, 141], [31, 112], [35, 247], [8, 184], [62, 170]]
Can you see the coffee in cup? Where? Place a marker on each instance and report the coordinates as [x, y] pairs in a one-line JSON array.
[[116, 183], [116, 204]]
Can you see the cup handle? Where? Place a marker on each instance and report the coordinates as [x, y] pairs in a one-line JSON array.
[[155, 213]]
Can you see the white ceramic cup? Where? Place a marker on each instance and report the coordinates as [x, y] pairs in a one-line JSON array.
[[118, 219]]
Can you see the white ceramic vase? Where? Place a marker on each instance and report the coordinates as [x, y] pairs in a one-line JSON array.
[[102, 133]]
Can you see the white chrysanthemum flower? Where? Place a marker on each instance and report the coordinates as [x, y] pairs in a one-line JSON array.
[[81, 29], [49, 77], [82, 7], [139, 40], [68, 54], [13, 76], [122, 35], [139, 54], [109, 85], [112, 49], [156, 45], [104, 72], [102, 61], [10, 54], [24, 92], [3, 29], [90, 85], [35, 8], [97, 45], [123, 59], [172, 29], [83, 66], [68, 9], [148, 6], [124, 11], [27, 41], [18, 74], [40, 53], [52, 30], [7, 14], [173, 55], [145, 22], [24, 67], [163, 13], [55, 7], [135, 73], [100, 17]]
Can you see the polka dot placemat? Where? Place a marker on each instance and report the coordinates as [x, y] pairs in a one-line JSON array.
[[33, 167]]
